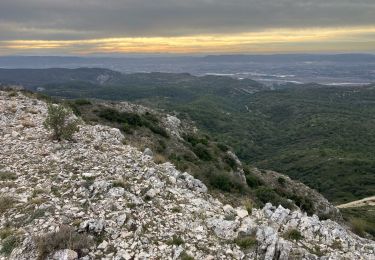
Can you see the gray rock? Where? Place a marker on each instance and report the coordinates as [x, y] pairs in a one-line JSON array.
[[116, 192], [225, 229], [65, 254], [95, 226], [148, 152], [151, 193]]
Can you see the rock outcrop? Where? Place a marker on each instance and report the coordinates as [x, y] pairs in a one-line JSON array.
[[131, 208], [319, 205]]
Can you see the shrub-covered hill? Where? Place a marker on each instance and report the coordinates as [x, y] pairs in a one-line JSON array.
[[213, 162], [321, 135], [96, 197]]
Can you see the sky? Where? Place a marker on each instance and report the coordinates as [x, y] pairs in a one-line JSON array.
[[84, 27]]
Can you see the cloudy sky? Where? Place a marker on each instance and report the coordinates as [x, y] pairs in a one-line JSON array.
[[79, 27]]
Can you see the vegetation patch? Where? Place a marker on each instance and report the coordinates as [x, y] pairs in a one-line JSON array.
[[223, 181], [186, 256], [8, 244], [361, 220], [266, 194], [7, 176], [176, 240], [65, 238], [202, 152], [246, 242], [60, 122], [293, 234], [130, 121], [120, 183], [6, 202], [5, 232]]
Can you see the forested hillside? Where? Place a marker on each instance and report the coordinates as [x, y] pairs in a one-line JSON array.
[[323, 136]]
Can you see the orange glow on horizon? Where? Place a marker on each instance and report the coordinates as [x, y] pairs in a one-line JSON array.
[[277, 40]]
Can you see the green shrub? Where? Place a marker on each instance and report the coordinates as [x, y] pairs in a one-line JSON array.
[[58, 121], [6, 232], [230, 161], [161, 146], [249, 206], [38, 213], [126, 128], [358, 226], [194, 139], [266, 194], [253, 181], [113, 115], [156, 129], [176, 210], [176, 240], [131, 120], [223, 181], [82, 102], [223, 147], [246, 242], [281, 181], [304, 203], [65, 238], [9, 244], [293, 234], [186, 256], [7, 176], [74, 107], [202, 152], [6, 202], [337, 245]]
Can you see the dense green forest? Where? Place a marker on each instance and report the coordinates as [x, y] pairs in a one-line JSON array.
[[321, 135]]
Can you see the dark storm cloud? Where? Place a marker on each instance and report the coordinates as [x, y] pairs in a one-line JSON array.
[[83, 19]]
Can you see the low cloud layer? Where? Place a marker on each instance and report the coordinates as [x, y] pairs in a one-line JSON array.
[[63, 20], [76, 19]]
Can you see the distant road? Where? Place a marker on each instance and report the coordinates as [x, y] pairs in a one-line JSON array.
[[369, 201]]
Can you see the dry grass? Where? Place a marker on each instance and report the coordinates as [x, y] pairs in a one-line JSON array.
[[65, 238], [6, 202], [159, 159]]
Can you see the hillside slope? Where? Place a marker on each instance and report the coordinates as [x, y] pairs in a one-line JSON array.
[[98, 198], [312, 133]]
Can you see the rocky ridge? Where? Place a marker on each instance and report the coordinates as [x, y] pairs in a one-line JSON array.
[[134, 208]]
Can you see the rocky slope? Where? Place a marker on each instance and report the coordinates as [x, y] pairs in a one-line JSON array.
[[319, 205], [111, 201]]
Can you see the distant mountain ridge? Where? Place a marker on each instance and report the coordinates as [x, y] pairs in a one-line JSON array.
[[354, 69], [351, 57], [38, 77], [155, 83]]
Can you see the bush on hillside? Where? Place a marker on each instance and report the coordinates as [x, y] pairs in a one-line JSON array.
[[58, 120], [194, 139], [133, 120], [8, 244], [266, 194], [66, 237], [293, 234], [225, 182], [202, 152], [253, 181], [230, 161], [223, 147]]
